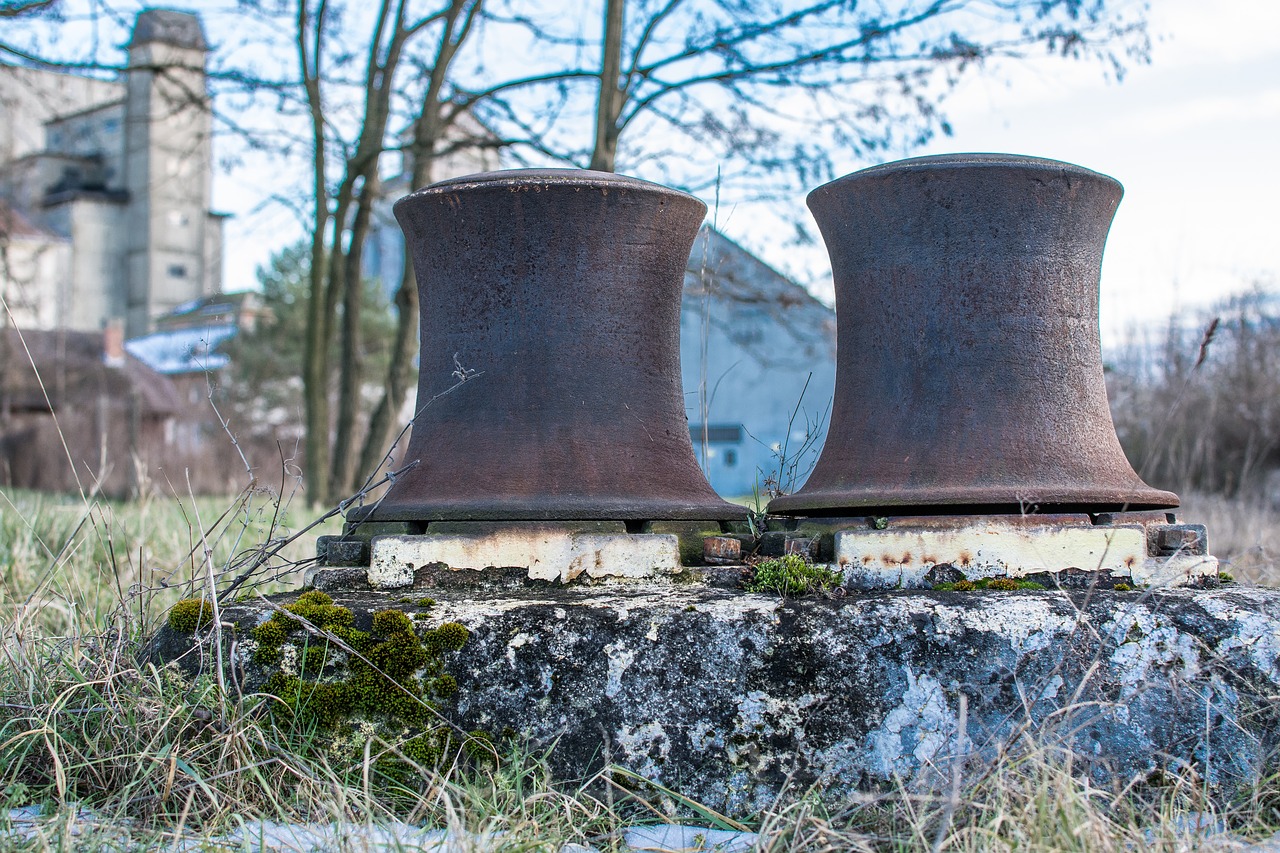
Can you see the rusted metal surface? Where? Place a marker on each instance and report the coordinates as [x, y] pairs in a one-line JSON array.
[[721, 550], [1174, 539], [969, 371], [804, 546], [556, 295]]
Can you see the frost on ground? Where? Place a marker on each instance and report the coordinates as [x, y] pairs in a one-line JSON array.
[[83, 830]]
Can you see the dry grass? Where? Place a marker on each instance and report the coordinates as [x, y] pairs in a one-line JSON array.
[[66, 562], [1243, 533], [163, 761]]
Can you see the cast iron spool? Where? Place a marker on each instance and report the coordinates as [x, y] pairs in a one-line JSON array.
[[969, 367], [561, 289]]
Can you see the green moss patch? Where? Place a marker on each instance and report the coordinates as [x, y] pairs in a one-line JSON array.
[[792, 575], [381, 684], [191, 614]]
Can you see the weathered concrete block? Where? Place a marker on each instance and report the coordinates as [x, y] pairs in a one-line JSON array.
[[729, 697], [342, 551], [852, 692], [900, 554], [324, 578]]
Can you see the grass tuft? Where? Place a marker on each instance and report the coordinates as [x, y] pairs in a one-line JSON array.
[[792, 575]]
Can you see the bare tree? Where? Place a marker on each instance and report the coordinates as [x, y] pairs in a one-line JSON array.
[[767, 94], [773, 92], [343, 217]]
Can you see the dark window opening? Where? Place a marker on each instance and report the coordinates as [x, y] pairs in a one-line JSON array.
[[717, 433]]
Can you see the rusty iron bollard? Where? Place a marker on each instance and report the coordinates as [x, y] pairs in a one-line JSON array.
[[969, 375], [551, 300]]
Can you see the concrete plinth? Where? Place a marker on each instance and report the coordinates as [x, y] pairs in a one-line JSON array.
[[546, 553], [728, 697]]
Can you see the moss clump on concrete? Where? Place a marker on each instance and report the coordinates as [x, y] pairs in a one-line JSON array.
[[383, 683], [1002, 584], [792, 575], [190, 614], [999, 584], [318, 609]]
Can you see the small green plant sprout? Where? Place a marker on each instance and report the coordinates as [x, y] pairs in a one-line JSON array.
[[1005, 584], [1122, 587], [964, 586], [1226, 577], [792, 575], [191, 614]]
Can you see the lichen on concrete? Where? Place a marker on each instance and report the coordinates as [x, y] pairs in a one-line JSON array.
[[730, 697]]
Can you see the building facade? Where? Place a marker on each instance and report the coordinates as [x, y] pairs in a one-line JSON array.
[[115, 176], [758, 365]]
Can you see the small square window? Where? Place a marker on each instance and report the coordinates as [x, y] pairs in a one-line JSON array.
[[177, 270]]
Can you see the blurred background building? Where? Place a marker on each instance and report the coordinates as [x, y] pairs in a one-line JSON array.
[[105, 186]]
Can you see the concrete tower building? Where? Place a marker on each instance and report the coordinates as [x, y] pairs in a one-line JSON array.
[[112, 179], [168, 126]]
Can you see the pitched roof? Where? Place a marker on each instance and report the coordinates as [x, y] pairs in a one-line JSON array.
[[187, 350], [16, 224], [732, 273], [67, 368]]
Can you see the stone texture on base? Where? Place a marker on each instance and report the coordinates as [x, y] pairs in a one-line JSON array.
[[729, 697]]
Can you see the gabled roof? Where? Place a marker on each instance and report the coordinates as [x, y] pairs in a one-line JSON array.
[[188, 350], [735, 274], [14, 224], [214, 310], [68, 368]]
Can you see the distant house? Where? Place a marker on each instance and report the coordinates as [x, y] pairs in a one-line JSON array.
[[133, 414], [32, 256], [190, 347], [757, 356], [77, 412]]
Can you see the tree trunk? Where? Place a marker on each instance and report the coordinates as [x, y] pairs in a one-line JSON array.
[[399, 373], [315, 371], [356, 198], [609, 106], [428, 129], [351, 365]]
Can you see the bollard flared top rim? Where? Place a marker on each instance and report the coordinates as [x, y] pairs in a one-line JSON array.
[[970, 160], [541, 180]]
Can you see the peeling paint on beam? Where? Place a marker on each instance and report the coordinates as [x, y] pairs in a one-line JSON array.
[[548, 554]]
